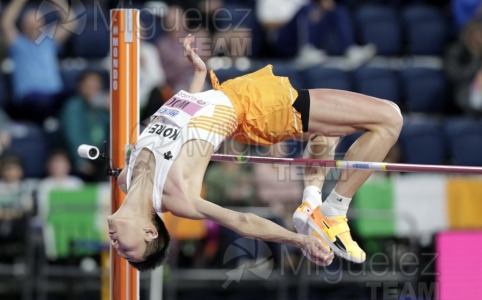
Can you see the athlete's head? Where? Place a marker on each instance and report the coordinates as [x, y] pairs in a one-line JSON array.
[[155, 252], [143, 242], [135, 229]]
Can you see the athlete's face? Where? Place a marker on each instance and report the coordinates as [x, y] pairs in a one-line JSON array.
[[128, 238]]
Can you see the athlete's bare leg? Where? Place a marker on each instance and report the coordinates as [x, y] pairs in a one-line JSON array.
[[338, 113], [318, 147], [323, 148]]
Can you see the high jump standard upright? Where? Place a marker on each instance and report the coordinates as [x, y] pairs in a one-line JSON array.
[[124, 130]]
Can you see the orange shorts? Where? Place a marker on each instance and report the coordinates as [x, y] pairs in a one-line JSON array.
[[263, 104]]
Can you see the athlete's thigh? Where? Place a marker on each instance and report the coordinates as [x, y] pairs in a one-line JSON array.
[[337, 112]]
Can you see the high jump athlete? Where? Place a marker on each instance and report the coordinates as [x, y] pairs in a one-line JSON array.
[[168, 162]]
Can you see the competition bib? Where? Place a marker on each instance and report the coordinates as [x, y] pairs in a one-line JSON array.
[[181, 108]]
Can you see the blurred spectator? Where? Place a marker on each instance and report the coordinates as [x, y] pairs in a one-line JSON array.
[[199, 13], [16, 206], [58, 177], [234, 45], [151, 73], [5, 124], [236, 30], [177, 68], [465, 10], [2, 37], [463, 64], [238, 40], [58, 173], [331, 29], [295, 28], [475, 94], [36, 77], [283, 23], [16, 194], [84, 119], [232, 25]]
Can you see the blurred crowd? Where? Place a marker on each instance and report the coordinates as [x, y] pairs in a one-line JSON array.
[[55, 74]]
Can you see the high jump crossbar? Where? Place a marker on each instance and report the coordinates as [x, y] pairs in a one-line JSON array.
[[343, 164]]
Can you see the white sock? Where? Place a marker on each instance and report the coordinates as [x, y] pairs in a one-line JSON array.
[[335, 205], [312, 195]]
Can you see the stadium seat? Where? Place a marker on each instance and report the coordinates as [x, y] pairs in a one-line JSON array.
[[235, 16], [4, 96], [379, 25], [239, 16], [424, 89], [295, 78], [278, 69], [333, 32], [69, 77], [464, 137], [426, 29], [93, 42], [226, 74], [328, 78], [382, 83], [30, 143], [423, 142]]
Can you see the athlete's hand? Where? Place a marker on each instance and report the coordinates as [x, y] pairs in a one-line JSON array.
[[192, 55], [315, 251]]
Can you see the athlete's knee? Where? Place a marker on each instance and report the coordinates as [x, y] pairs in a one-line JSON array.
[[390, 121], [395, 106], [393, 120]]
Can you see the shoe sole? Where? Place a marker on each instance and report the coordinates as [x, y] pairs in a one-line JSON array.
[[300, 222], [335, 249]]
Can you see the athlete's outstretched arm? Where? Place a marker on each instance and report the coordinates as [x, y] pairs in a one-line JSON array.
[[252, 226], [181, 197], [200, 71]]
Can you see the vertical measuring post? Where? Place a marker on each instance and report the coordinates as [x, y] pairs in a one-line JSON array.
[[124, 82]]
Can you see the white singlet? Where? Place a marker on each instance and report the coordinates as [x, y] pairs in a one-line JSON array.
[[207, 116]]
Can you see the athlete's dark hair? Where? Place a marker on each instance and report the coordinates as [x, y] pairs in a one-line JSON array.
[[156, 250]]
